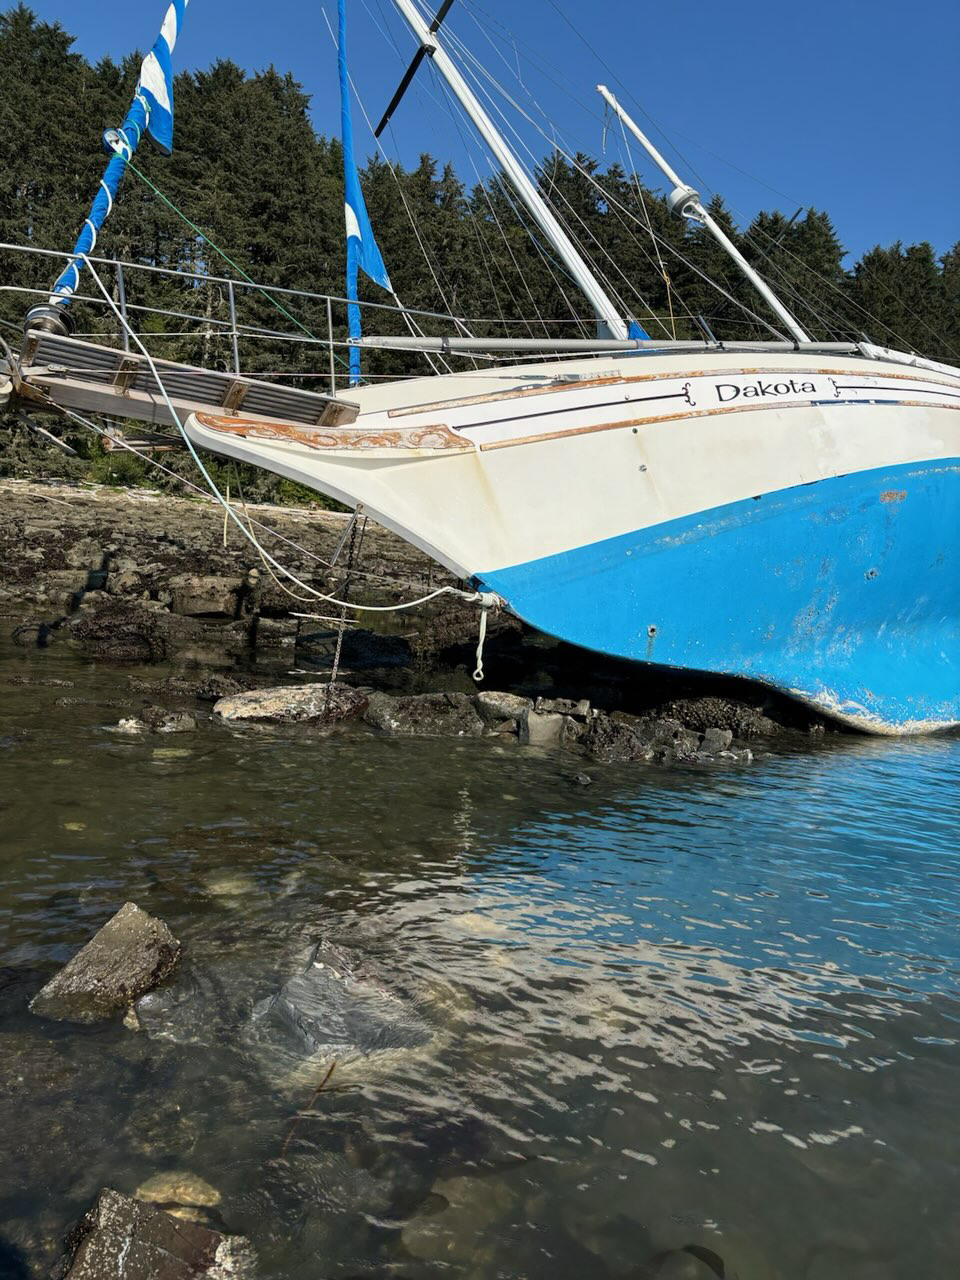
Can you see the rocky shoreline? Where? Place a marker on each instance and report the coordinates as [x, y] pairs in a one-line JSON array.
[[132, 576]]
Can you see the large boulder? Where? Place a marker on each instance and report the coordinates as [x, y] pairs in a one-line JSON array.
[[438, 715], [712, 712], [323, 703], [124, 1239], [624, 737], [131, 954], [122, 632], [496, 707]]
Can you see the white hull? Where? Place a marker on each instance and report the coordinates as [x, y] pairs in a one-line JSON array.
[[546, 467], [788, 519]]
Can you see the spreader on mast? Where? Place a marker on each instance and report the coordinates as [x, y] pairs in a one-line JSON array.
[[685, 201]]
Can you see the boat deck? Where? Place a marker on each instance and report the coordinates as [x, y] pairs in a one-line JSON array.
[[57, 371]]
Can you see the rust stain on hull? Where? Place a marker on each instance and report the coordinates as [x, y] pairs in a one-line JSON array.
[[893, 495], [619, 379], [696, 413], [437, 438]]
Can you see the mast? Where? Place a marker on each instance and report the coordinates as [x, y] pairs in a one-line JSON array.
[[685, 201], [607, 313]]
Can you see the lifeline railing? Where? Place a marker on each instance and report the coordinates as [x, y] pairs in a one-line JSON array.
[[414, 342], [231, 328]]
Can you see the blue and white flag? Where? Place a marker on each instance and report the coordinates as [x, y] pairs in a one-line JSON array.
[[151, 111], [362, 250], [156, 78]]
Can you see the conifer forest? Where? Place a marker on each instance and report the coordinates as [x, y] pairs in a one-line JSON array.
[[250, 173]]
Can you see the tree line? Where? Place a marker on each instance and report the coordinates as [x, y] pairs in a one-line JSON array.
[[251, 172]]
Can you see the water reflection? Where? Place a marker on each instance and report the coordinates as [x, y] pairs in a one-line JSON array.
[[678, 1007]]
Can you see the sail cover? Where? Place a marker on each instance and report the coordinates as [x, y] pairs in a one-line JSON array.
[[362, 250]]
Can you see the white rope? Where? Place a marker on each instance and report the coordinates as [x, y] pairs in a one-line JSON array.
[[119, 443], [473, 597], [488, 601]]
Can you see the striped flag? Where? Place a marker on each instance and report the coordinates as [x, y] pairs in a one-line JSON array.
[[156, 78], [150, 112]]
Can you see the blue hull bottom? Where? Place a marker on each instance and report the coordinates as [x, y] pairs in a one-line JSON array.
[[844, 593]]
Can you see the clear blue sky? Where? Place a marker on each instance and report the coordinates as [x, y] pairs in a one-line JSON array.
[[848, 105]]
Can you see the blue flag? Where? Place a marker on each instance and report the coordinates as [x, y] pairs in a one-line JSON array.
[[362, 251], [150, 112], [156, 78]]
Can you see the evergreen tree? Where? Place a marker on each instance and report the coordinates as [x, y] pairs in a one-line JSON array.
[[250, 172], [903, 299]]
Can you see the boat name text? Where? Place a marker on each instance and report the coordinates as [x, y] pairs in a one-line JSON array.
[[727, 391]]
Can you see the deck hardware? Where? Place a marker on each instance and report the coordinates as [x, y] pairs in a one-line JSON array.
[[125, 374], [235, 395]]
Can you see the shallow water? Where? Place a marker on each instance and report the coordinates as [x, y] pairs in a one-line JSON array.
[[575, 1027]]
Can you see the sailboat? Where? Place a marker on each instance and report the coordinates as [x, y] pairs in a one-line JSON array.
[[785, 511]]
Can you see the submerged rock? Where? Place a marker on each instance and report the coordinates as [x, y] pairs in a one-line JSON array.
[[215, 687], [132, 953], [334, 1009], [322, 703], [183, 1187], [181, 1194], [160, 720], [169, 687], [460, 1221], [203, 1008], [123, 1239], [437, 715], [691, 1262]]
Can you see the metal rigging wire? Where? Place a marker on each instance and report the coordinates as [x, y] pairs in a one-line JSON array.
[[788, 283]]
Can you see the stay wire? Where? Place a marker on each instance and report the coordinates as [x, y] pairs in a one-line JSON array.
[[472, 217], [118, 442], [481, 73], [225, 256], [484, 72], [432, 267], [472, 597], [455, 109], [665, 275], [852, 302], [591, 178]]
